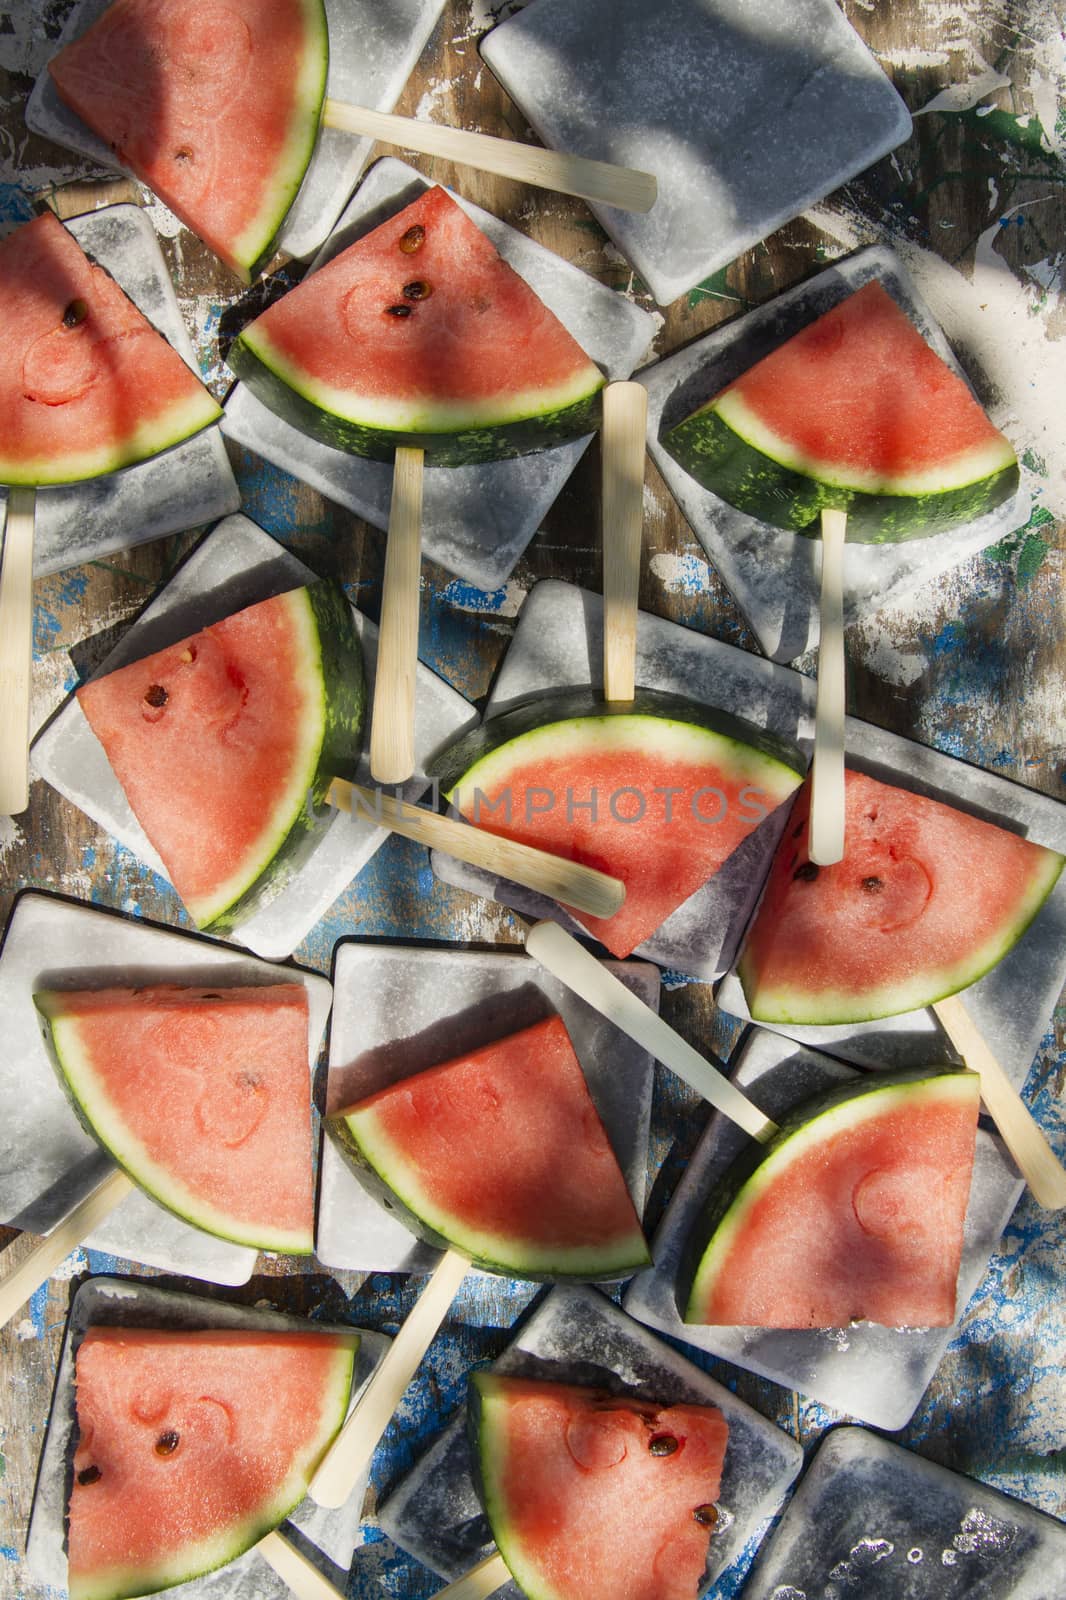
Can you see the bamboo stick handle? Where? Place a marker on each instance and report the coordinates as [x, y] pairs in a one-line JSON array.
[[56, 1246], [1036, 1160], [481, 1581], [353, 1447], [575, 885], [16, 651], [622, 435], [573, 965], [826, 843], [392, 729], [293, 1568], [622, 187]]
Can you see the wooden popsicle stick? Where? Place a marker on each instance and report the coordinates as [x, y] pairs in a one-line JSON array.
[[56, 1246], [16, 650], [353, 1447], [1037, 1162], [826, 841], [622, 187], [481, 1581], [622, 435], [579, 886], [293, 1568], [572, 964], [392, 729]]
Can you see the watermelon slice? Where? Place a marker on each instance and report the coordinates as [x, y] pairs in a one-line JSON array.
[[215, 105], [202, 1095], [592, 1494], [658, 792], [854, 412], [854, 1211], [419, 334], [225, 744], [925, 901], [87, 385], [192, 1446], [502, 1156]]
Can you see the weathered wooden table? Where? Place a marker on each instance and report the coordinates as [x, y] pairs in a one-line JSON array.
[[975, 665]]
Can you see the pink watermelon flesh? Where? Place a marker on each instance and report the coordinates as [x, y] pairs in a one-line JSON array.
[[924, 902], [502, 1155], [213, 104], [856, 1215], [592, 1496], [203, 1096], [192, 1446], [218, 743], [87, 385]]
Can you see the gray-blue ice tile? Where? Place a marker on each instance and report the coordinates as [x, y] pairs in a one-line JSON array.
[[873, 1521], [877, 1374], [48, 1162], [372, 51], [577, 1335], [746, 111], [400, 1009], [181, 488], [559, 643], [775, 575], [121, 1302], [476, 521]]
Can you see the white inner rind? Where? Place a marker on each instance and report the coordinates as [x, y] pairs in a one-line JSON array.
[[962, 1088], [130, 1153], [310, 722], [493, 1451], [148, 438], [957, 472], [428, 413], [828, 1006], [193, 1560]]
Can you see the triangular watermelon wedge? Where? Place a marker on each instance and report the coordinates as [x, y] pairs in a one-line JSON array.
[[215, 106], [87, 385], [592, 1494], [202, 1095], [419, 334], [853, 1212], [500, 1155], [192, 1446]]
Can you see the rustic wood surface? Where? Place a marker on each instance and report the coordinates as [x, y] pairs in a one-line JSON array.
[[976, 666]]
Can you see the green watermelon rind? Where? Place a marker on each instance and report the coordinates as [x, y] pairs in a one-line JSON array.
[[924, 989], [335, 662], [488, 1458], [379, 1169], [144, 442], [753, 480], [254, 248], [806, 1126], [292, 396], [477, 751], [93, 1112], [126, 1583]]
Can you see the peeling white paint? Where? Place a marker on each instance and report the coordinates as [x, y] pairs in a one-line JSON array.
[[681, 574]]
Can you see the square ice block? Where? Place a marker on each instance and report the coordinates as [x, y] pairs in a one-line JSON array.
[[747, 113], [875, 1522], [558, 642], [577, 1335], [775, 575], [400, 1009], [329, 1537], [235, 566], [1012, 1004], [372, 51], [48, 1163], [183, 487], [874, 1373], [476, 521]]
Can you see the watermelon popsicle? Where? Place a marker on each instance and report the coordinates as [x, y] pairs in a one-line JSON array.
[[97, 389], [184, 102]]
